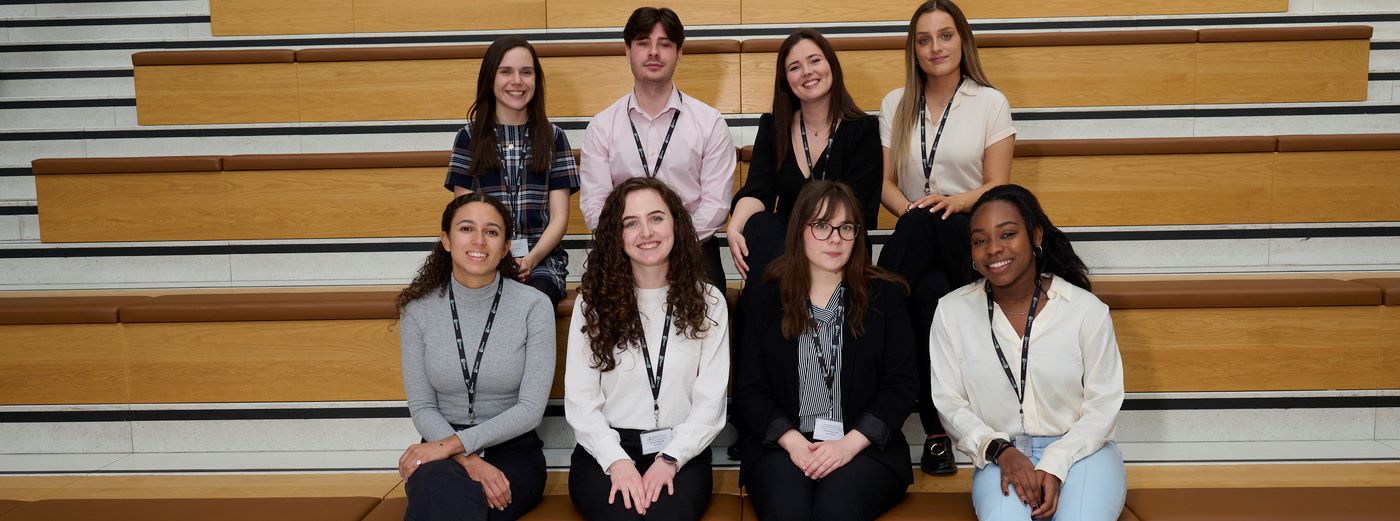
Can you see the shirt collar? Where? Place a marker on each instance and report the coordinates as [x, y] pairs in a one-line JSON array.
[[673, 103], [1059, 288]]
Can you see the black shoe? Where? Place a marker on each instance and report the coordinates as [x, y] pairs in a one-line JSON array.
[[736, 451], [938, 456]]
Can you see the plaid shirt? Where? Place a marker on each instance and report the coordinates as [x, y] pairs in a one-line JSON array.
[[527, 200]]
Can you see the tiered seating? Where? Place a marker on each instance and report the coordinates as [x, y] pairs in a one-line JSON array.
[[1062, 69]]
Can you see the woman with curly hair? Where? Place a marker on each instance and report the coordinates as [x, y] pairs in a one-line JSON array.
[[827, 377], [476, 393], [647, 363]]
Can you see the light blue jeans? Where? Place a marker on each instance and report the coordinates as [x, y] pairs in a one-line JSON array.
[[1094, 490]]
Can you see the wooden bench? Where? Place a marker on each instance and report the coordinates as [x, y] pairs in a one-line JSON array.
[[1057, 69]]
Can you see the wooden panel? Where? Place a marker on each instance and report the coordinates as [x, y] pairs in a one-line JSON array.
[[1267, 72], [1249, 349], [1337, 186], [1390, 348], [253, 17], [295, 361], [887, 219], [1149, 190], [227, 93], [62, 364], [1264, 475], [585, 85], [1093, 75], [151, 207], [230, 486], [395, 202], [382, 16], [561, 343], [817, 11], [32, 488], [614, 13], [387, 90]]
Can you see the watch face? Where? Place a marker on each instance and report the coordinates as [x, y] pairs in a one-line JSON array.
[[668, 458]]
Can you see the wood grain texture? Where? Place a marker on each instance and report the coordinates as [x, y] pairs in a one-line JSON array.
[[818, 11], [1093, 75], [1264, 476], [62, 364], [375, 484], [1277, 72], [383, 16], [292, 361], [1249, 349], [387, 90], [1150, 190], [342, 203], [255, 17], [614, 13], [33, 488], [131, 207], [227, 93], [1337, 186], [1390, 348]]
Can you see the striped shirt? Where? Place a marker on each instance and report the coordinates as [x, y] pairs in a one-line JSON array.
[[814, 402], [528, 200]]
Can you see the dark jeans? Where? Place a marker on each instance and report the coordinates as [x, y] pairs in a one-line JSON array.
[[934, 256], [442, 490], [589, 486]]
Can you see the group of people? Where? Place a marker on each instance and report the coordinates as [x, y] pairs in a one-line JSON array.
[[829, 350]]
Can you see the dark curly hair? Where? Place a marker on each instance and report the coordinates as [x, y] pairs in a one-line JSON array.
[[1056, 253], [437, 269], [609, 291]]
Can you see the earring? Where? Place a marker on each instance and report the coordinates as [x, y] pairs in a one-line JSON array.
[[1035, 251]]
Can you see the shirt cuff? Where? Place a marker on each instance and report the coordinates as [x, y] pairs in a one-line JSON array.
[[776, 429], [980, 457], [1055, 462], [611, 455], [874, 430], [455, 179]]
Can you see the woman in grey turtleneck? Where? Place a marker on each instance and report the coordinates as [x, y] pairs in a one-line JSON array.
[[476, 381]]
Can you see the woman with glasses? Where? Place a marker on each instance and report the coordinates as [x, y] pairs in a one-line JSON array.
[[827, 378]]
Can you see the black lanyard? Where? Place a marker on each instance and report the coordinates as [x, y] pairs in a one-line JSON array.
[[516, 205], [923, 134], [829, 371], [1025, 343], [472, 377], [830, 138], [653, 172], [655, 378]]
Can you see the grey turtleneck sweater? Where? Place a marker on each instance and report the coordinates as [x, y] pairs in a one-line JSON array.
[[517, 369]]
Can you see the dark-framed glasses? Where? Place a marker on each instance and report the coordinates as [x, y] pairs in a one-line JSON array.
[[821, 230]]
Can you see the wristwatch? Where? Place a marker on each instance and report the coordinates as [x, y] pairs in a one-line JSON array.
[[995, 448], [667, 458]]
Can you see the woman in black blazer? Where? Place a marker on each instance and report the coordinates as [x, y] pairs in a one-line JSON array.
[[828, 378]]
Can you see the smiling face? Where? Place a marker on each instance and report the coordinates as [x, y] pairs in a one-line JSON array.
[[515, 81], [653, 57], [477, 242], [1001, 244], [937, 45], [647, 229], [808, 71], [830, 254]]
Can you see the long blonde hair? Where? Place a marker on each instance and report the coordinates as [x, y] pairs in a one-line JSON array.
[[907, 113]]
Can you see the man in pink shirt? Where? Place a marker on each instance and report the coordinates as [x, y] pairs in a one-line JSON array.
[[658, 131]]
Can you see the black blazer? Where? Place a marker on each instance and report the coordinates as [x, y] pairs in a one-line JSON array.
[[855, 160], [878, 379]]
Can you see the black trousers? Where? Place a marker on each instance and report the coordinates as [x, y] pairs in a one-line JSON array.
[[589, 486], [714, 267], [934, 257], [442, 490], [765, 233], [546, 285], [860, 490]]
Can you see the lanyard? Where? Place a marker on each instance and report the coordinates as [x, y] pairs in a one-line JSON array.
[[830, 138], [471, 377], [653, 172], [655, 378], [1025, 344], [828, 371], [923, 134], [517, 206]]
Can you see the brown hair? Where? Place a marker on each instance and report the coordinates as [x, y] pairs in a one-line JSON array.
[[609, 291], [643, 19], [915, 80], [818, 201], [482, 114], [840, 104], [437, 269]]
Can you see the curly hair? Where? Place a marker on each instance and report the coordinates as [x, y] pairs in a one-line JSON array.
[[609, 290], [437, 268], [1056, 254]]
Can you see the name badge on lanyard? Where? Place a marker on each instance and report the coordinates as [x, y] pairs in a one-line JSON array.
[[653, 441], [828, 430], [519, 246]]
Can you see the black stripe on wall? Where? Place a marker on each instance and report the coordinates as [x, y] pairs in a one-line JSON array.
[[68, 103], [136, 20], [54, 75], [19, 210]]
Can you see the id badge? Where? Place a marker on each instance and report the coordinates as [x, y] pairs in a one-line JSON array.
[[1023, 444], [654, 441], [519, 246], [828, 430]]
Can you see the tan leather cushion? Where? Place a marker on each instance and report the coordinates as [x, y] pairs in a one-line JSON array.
[[241, 509], [62, 310], [931, 506], [348, 305], [1339, 142], [1087, 38], [1145, 146], [7, 505], [390, 509], [1271, 504], [212, 57], [1390, 289], [126, 165], [1285, 34], [413, 52], [1153, 294], [438, 158]]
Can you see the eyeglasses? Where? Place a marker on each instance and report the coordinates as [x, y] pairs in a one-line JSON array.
[[821, 230]]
